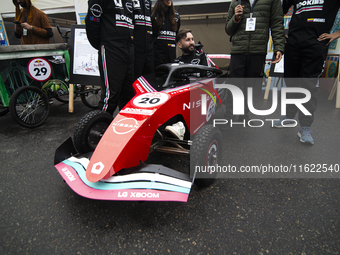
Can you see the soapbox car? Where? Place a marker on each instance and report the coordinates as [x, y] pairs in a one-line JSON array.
[[105, 160]]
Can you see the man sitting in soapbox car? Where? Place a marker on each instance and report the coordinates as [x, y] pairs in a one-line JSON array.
[[105, 159]]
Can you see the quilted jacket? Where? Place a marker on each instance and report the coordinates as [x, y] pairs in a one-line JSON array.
[[269, 16]]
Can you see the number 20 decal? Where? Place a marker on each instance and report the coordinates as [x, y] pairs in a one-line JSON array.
[[147, 100], [39, 69], [150, 100]]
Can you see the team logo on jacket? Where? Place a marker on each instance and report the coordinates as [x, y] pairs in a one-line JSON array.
[[195, 61], [129, 7], [147, 4], [136, 4], [96, 10], [118, 4], [309, 5]]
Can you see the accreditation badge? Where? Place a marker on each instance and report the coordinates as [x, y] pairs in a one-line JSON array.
[[251, 23]]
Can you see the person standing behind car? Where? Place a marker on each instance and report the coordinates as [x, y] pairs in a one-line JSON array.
[[248, 25], [166, 23], [306, 52], [143, 41], [34, 27], [109, 28]]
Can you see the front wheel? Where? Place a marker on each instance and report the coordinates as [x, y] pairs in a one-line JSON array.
[[29, 106], [205, 154], [90, 130], [90, 95]]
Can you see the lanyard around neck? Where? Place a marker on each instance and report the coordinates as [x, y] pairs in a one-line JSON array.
[[252, 2]]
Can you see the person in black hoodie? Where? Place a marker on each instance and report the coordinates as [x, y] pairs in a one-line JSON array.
[[305, 54], [109, 29], [165, 23], [143, 41]]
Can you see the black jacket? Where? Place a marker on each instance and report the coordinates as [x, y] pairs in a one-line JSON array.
[[143, 27], [196, 58], [108, 22], [166, 36], [313, 18]]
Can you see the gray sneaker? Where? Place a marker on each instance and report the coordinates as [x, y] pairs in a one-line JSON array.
[[285, 122], [305, 135], [177, 129]]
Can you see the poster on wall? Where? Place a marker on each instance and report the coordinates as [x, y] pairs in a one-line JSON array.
[[3, 34], [330, 72]]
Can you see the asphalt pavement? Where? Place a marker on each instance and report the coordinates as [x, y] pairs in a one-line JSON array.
[[40, 214]]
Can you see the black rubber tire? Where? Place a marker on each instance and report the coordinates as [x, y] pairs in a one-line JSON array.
[[90, 129], [90, 95], [206, 151], [29, 106]]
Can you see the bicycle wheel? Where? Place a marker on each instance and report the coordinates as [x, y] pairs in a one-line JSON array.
[[90, 95], [29, 106], [57, 89]]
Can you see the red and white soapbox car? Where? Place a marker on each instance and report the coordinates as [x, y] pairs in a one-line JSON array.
[[105, 160]]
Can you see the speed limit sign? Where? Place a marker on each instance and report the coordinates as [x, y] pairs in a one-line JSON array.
[[39, 69]]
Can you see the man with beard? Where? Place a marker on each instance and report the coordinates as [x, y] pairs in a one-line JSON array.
[[185, 41], [32, 24]]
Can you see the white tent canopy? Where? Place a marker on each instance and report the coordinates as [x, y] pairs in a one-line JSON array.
[[48, 6], [190, 2], [62, 6]]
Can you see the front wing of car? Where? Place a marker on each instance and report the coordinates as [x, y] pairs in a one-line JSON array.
[[142, 183]]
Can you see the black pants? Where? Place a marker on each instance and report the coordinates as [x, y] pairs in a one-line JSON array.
[[144, 61], [245, 71], [117, 75], [304, 63]]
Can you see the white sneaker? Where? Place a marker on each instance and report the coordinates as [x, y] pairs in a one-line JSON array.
[[177, 129]]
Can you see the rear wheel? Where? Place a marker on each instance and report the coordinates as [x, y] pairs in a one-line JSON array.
[[90, 130], [29, 107], [205, 154], [90, 95]]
